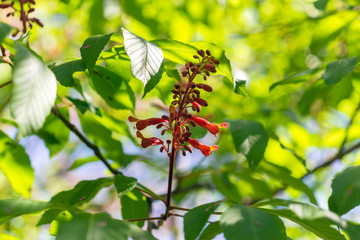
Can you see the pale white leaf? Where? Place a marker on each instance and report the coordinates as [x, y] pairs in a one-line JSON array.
[[34, 91], [146, 58]]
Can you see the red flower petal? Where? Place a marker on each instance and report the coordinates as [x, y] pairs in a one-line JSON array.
[[146, 142], [205, 149], [142, 124]]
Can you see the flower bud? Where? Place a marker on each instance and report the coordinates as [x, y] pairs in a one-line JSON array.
[[187, 66], [183, 153], [210, 67], [201, 53], [208, 52], [162, 149], [201, 101], [168, 141], [175, 91], [206, 87], [193, 69], [196, 56], [192, 85], [214, 60]]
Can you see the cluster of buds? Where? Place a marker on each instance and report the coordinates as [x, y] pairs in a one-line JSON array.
[[25, 9], [186, 97]]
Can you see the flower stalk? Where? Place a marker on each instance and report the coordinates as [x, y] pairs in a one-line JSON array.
[[186, 98]]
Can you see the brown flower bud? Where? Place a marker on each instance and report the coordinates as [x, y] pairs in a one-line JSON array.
[[201, 53], [183, 153], [193, 124], [196, 91], [184, 73], [187, 66], [204, 78], [210, 67], [163, 132], [160, 126], [201, 102], [208, 52], [192, 85], [162, 149], [191, 64], [175, 91], [206, 87], [187, 134], [196, 56], [193, 69], [165, 117], [214, 60], [168, 141]]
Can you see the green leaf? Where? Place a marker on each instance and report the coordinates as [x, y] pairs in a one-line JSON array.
[[113, 88], [146, 58], [250, 139], [102, 137], [81, 161], [335, 71], [315, 220], [345, 190], [134, 205], [245, 222], [224, 67], [176, 51], [196, 219], [294, 78], [4, 30], [99, 226], [283, 174], [64, 72], [211, 231], [14, 162], [316, 91], [81, 105], [154, 80], [10, 208], [92, 48], [54, 133], [34, 91], [83, 192], [96, 17], [124, 184], [321, 4], [240, 88], [5, 91]]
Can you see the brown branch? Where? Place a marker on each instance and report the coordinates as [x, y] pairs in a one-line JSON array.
[[339, 155], [5, 84], [95, 148], [143, 219]]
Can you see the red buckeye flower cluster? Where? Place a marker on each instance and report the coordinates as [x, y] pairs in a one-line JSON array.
[[186, 98]]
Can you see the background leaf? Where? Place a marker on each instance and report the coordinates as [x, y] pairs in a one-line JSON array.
[[345, 190], [64, 72], [14, 162], [99, 226], [240, 88], [146, 58], [83, 192], [4, 30], [124, 184], [335, 71], [243, 222], [250, 139], [196, 219], [10, 208], [92, 48], [134, 205], [34, 91]]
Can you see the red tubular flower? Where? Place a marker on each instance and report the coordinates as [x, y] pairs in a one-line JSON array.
[[211, 127], [142, 124], [146, 142], [205, 149]]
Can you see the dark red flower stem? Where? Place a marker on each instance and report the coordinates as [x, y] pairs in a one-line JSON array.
[[23, 16], [174, 148]]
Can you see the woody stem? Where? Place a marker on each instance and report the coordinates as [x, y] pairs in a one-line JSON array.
[[171, 173]]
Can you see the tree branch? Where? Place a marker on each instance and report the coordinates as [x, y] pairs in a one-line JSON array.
[[95, 148], [4, 84]]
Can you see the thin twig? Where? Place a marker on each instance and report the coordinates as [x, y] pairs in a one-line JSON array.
[[4, 84], [142, 219], [95, 148], [188, 209]]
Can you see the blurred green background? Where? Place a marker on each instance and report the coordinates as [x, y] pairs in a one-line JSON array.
[[266, 41]]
